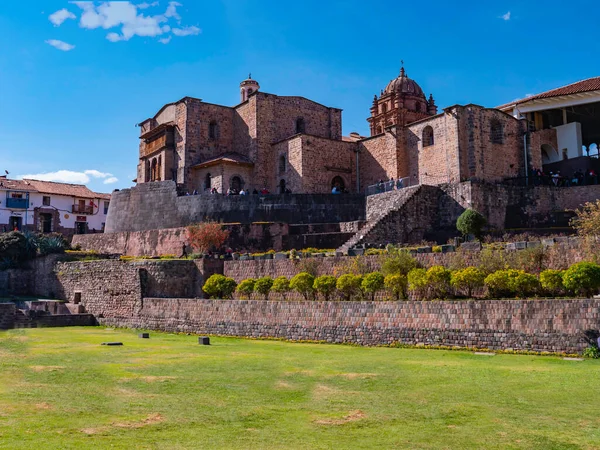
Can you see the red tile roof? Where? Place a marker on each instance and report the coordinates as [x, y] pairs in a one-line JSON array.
[[226, 158], [18, 185], [591, 84], [69, 190]]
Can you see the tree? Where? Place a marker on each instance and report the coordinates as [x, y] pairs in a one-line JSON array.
[[246, 287], [396, 284], [349, 285], [373, 282], [219, 286], [325, 285], [587, 219], [263, 286], [471, 222], [206, 236], [417, 282], [468, 279], [281, 285], [303, 283], [397, 261], [438, 281], [582, 278], [552, 281]]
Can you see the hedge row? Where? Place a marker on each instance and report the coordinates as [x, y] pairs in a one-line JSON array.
[[436, 282]]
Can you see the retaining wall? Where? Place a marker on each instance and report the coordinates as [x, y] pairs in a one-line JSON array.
[[7, 315]]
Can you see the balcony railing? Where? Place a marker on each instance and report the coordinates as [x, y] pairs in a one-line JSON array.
[[166, 140], [83, 209], [17, 203]]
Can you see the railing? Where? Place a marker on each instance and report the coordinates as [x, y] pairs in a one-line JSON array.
[[17, 203], [166, 140], [82, 209], [386, 186], [552, 181]]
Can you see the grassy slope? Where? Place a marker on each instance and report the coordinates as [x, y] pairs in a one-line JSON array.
[[60, 389]]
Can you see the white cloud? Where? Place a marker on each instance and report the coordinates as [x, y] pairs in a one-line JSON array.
[[172, 10], [70, 176], [505, 16], [147, 5], [60, 45], [129, 21], [59, 17], [186, 31]]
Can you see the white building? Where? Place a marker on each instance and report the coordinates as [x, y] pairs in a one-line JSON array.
[[48, 207]]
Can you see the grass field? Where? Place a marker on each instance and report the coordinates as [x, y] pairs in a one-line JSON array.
[[60, 389]]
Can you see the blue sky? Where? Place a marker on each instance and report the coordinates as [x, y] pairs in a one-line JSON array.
[[75, 77]]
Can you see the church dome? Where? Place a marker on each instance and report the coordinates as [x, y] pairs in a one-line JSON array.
[[404, 85]]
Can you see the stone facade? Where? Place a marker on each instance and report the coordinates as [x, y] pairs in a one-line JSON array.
[[7, 315]]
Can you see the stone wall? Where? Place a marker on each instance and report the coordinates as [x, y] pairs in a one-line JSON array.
[[551, 325], [151, 206], [7, 315]]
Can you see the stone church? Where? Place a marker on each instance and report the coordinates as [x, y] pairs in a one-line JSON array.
[[277, 143]]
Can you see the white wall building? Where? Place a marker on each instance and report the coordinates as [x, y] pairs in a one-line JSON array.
[[49, 207]]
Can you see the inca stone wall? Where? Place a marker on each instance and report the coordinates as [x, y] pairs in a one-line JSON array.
[[551, 325], [7, 315], [150, 206]]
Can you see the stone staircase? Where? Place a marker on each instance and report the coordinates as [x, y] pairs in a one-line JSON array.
[[379, 207], [23, 321]]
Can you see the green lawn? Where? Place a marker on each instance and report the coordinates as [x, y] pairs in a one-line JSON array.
[[60, 389]]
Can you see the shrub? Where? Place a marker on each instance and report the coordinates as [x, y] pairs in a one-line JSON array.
[[467, 280], [436, 249], [246, 287], [206, 236], [417, 282], [325, 285], [374, 251], [358, 265], [349, 285], [511, 282], [373, 282], [303, 283], [397, 285], [281, 285], [219, 286], [587, 219], [397, 261], [552, 281], [263, 286], [438, 282], [471, 222], [591, 352], [582, 278], [52, 243], [14, 246]]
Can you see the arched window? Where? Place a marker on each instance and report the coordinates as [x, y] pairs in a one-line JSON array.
[[153, 170], [383, 108], [250, 91], [418, 107], [207, 182], [300, 125], [496, 132], [281, 164], [148, 176], [159, 169], [338, 183], [236, 183], [379, 130], [282, 186], [213, 130], [427, 136]]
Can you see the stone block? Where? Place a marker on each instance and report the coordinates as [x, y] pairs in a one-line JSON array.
[[203, 340], [510, 246], [534, 244], [520, 245], [471, 246], [279, 256], [356, 252], [424, 250], [448, 248], [144, 335], [548, 242]]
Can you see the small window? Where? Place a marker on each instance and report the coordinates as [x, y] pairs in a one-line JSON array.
[[383, 108], [427, 136], [496, 132], [418, 107], [106, 203], [16, 195], [300, 125], [250, 91], [45, 201], [565, 154], [213, 130], [281, 164], [207, 182]]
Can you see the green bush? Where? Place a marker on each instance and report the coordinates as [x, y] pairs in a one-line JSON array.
[[582, 278], [219, 286], [373, 282], [511, 282], [246, 287], [15, 246], [325, 285], [397, 261], [471, 222], [397, 285], [591, 352], [417, 282], [467, 280], [303, 283], [349, 285], [436, 249], [263, 286], [438, 282], [552, 281], [281, 285]]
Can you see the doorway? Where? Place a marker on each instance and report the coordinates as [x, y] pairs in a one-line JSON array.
[[282, 187], [46, 223], [80, 227], [15, 223]]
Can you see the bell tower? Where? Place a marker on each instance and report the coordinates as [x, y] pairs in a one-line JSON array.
[[247, 87]]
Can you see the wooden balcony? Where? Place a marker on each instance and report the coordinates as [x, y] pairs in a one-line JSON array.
[[82, 209], [164, 140]]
